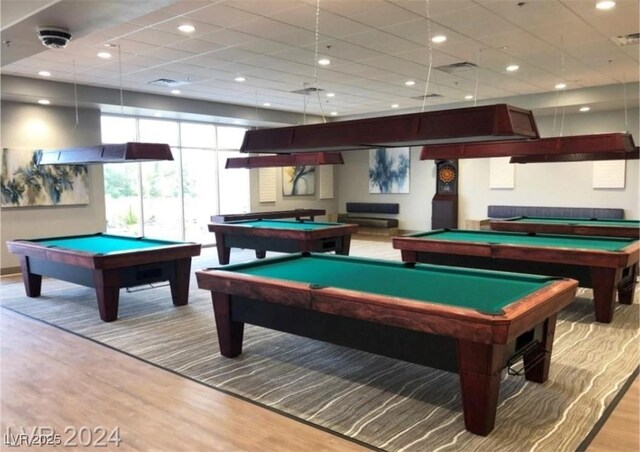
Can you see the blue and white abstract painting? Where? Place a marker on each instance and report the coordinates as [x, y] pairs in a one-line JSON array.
[[389, 170]]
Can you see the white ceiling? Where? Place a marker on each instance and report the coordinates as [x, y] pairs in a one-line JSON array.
[[374, 47]]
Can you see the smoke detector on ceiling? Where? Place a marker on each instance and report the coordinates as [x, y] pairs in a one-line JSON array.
[[54, 37]]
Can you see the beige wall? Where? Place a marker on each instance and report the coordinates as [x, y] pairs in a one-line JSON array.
[[550, 184], [28, 126]]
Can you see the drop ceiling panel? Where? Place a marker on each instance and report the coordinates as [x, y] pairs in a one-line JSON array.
[[384, 16], [265, 28], [382, 42], [531, 14], [155, 37], [222, 16], [195, 46]]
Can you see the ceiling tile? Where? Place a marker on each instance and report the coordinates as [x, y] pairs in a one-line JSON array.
[[221, 15]]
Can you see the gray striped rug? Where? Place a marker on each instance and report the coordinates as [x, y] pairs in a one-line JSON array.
[[386, 403]]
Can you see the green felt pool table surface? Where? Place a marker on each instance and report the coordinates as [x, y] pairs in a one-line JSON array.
[[104, 243], [525, 239], [482, 290]]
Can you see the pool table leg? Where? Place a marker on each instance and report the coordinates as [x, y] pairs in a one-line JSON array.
[[180, 282], [32, 282], [346, 245], [627, 286], [604, 281], [107, 287], [480, 366], [230, 332], [538, 361], [223, 251]]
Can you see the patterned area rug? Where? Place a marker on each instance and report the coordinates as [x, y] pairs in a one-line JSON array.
[[386, 403]]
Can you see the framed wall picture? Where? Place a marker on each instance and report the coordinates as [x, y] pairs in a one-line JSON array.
[[389, 170], [23, 183], [298, 180]]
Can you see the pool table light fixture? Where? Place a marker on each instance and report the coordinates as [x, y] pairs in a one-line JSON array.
[[268, 161], [482, 123], [578, 157], [582, 147], [105, 153]]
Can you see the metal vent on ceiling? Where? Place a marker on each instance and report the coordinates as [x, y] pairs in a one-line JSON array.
[[428, 96], [166, 82], [307, 91], [627, 40], [456, 67]]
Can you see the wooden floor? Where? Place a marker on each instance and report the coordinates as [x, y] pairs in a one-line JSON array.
[[53, 378]]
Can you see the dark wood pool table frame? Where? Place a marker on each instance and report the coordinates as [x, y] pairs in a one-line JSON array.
[[107, 273], [475, 345], [298, 214], [336, 237], [519, 224], [603, 271]]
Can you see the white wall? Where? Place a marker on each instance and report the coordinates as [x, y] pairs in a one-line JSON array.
[[28, 126], [536, 184], [415, 206], [554, 184], [291, 202]]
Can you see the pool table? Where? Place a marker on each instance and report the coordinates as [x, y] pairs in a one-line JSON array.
[[572, 226], [473, 322], [298, 214], [107, 263], [286, 236], [601, 263]]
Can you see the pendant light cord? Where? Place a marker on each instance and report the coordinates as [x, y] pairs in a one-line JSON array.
[[315, 64], [430, 53]]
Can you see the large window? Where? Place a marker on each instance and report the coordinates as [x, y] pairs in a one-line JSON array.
[[173, 199]]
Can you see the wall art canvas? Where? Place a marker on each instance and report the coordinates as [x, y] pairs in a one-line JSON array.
[[25, 184], [298, 180], [389, 170]]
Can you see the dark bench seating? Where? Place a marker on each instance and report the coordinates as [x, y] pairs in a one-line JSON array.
[[555, 212], [357, 214]]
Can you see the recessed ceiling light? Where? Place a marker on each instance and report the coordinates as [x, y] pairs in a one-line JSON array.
[[266, 104], [410, 82], [175, 91], [44, 102], [561, 86], [44, 74], [468, 97], [334, 113], [394, 105], [439, 38], [104, 55], [187, 28], [240, 79], [607, 4], [331, 94], [583, 109], [513, 67], [324, 61]]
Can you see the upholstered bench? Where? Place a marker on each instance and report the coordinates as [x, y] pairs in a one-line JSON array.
[[555, 212], [371, 224]]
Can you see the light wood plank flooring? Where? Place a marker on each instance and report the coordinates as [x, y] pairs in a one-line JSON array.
[[53, 378]]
